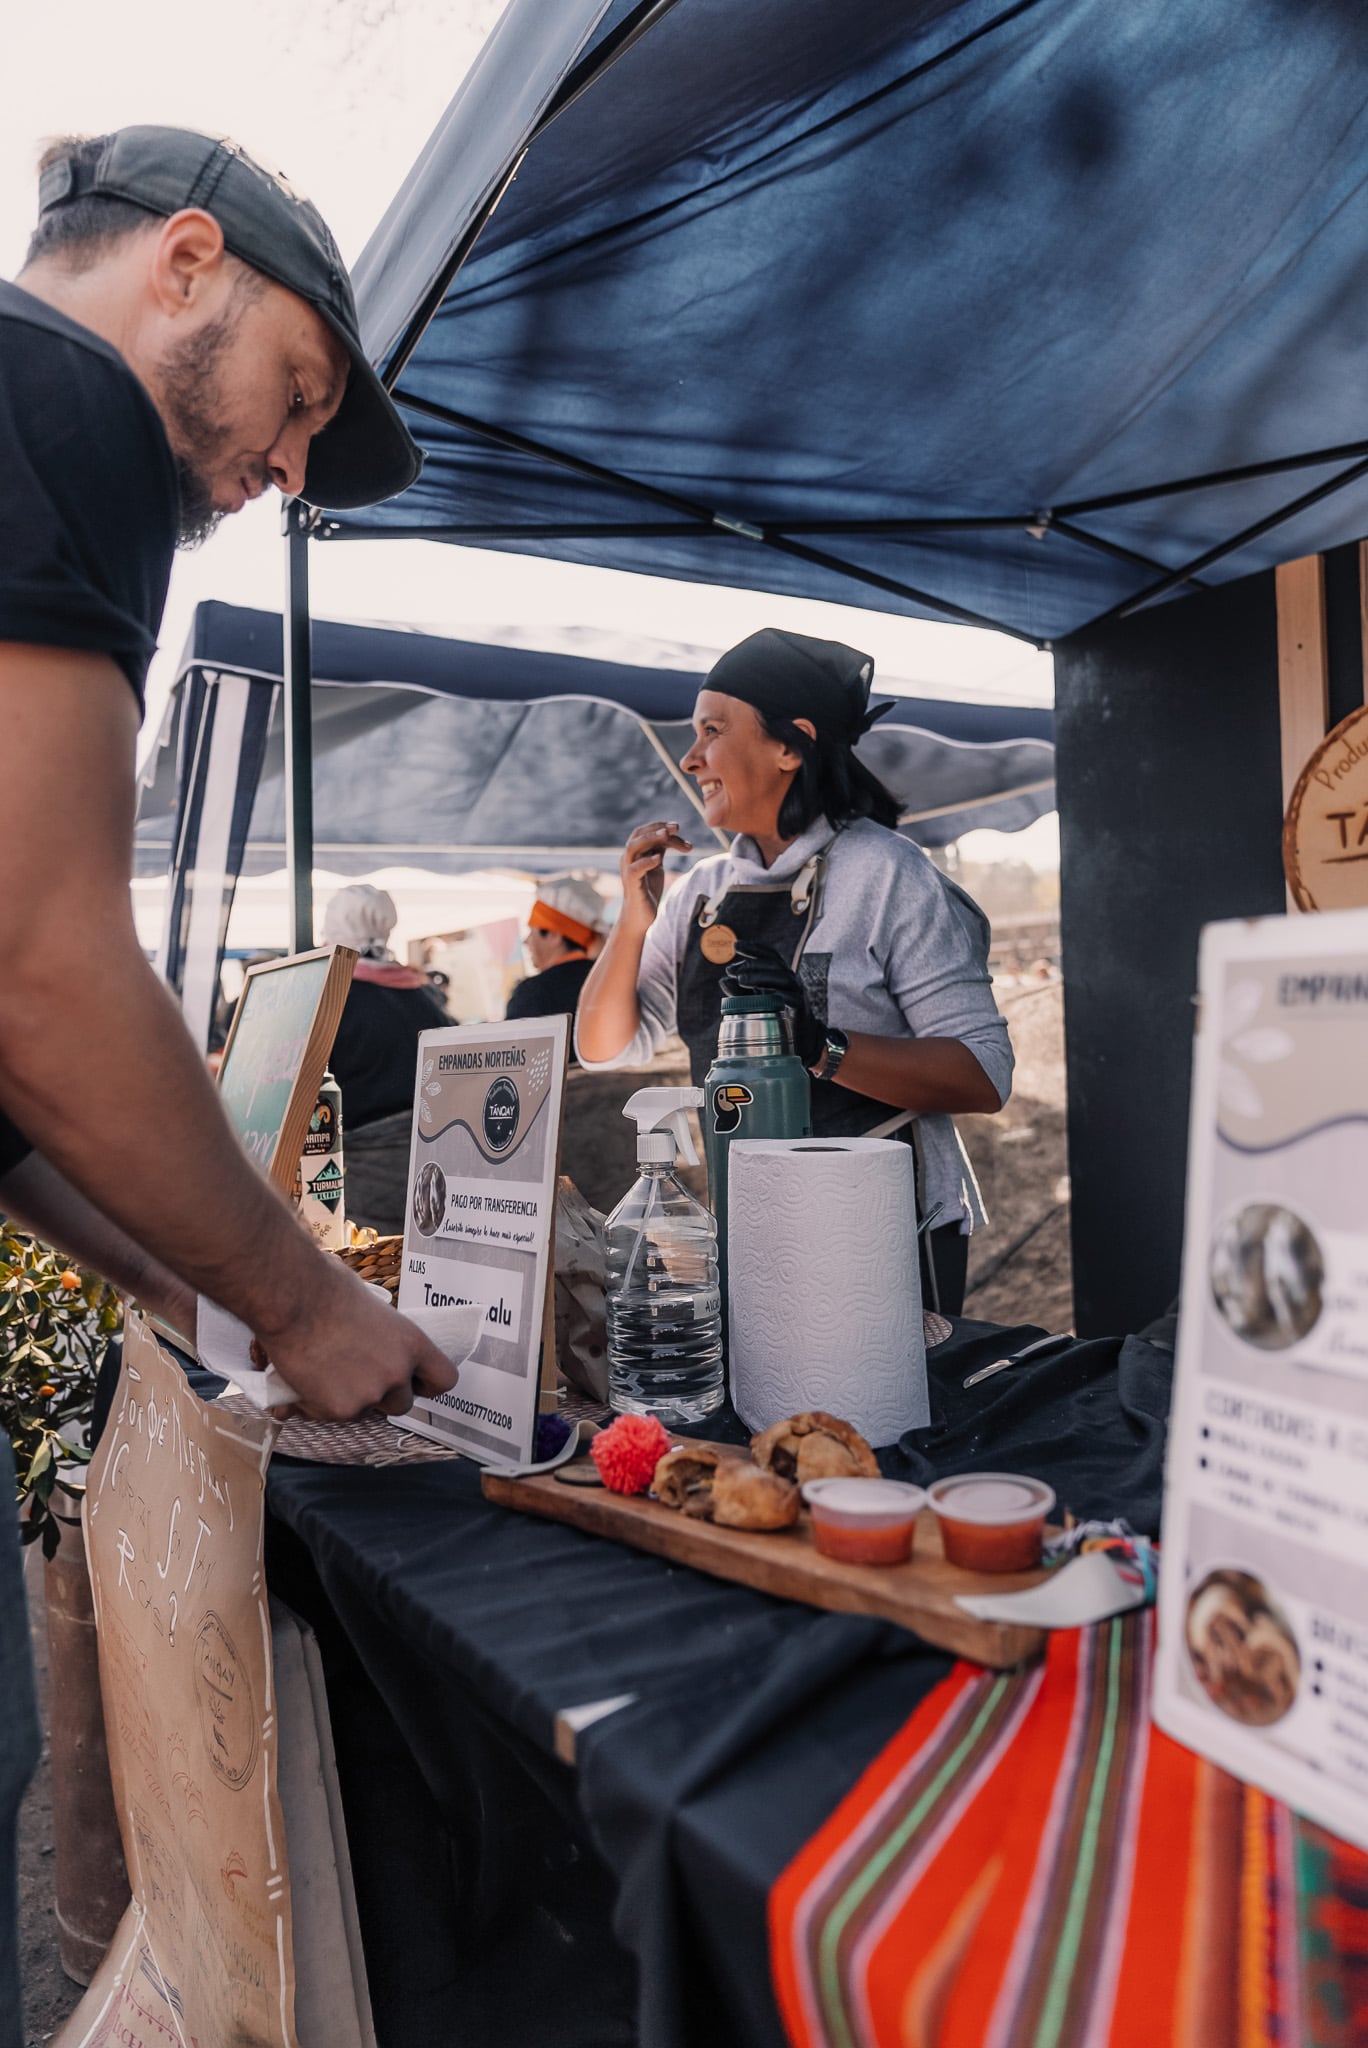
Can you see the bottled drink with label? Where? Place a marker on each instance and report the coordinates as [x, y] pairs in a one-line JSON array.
[[664, 1304], [320, 1184]]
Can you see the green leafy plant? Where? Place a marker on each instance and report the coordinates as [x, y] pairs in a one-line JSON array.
[[55, 1322]]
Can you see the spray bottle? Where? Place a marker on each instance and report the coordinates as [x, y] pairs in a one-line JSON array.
[[664, 1304]]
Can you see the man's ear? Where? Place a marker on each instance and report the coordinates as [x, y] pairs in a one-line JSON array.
[[188, 261]]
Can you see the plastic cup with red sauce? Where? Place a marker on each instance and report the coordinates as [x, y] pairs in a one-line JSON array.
[[992, 1521], [864, 1521]]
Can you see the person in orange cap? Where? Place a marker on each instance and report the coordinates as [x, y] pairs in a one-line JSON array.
[[564, 930]]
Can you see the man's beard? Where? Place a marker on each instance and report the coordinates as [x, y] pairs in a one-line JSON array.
[[191, 399], [199, 515]]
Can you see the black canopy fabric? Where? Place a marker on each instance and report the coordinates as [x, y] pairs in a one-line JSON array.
[[1018, 312], [451, 755]]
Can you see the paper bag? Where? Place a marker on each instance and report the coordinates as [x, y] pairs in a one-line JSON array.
[[174, 1520]]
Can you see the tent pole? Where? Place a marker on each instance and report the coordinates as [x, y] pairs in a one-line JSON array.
[[629, 31], [298, 673], [727, 523], [1232, 546]]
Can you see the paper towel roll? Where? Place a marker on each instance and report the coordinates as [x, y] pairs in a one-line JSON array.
[[824, 1287]]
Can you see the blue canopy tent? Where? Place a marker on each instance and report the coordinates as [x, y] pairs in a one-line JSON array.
[[961, 310], [1023, 315], [449, 755]]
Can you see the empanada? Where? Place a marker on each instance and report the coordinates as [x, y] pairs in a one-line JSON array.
[[744, 1497], [814, 1446], [684, 1478]]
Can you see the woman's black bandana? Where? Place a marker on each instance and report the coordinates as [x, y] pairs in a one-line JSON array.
[[788, 675]]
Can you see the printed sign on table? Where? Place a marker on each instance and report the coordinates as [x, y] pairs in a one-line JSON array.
[[480, 1222], [1263, 1601]]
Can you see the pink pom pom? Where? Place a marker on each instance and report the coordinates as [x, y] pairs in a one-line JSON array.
[[628, 1451]]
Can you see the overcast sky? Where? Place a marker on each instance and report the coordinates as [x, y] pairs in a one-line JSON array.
[[340, 94]]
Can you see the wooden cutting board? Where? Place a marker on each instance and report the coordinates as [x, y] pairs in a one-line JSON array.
[[919, 1595]]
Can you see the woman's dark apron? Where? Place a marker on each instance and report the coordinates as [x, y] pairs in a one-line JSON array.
[[782, 915]]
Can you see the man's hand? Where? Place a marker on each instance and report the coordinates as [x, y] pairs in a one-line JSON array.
[[350, 1352]]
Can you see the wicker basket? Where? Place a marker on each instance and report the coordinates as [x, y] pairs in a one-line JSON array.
[[378, 1262]]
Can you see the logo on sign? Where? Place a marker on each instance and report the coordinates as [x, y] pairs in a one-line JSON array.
[[500, 1115]]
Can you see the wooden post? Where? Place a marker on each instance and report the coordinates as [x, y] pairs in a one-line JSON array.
[[1303, 668]]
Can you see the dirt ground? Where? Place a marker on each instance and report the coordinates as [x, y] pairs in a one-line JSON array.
[[1019, 1268], [1019, 1272]]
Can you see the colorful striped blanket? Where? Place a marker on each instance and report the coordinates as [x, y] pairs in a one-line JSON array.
[[1031, 1864]]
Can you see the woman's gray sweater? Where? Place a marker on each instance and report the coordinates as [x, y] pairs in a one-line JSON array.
[[906, 956]]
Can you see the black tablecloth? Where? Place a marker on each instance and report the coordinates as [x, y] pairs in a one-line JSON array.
[[508, 1898]]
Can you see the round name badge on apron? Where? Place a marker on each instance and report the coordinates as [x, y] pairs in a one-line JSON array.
[[718, 944], [780, 915]]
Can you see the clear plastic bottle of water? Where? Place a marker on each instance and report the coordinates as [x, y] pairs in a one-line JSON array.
[[664, 1301]]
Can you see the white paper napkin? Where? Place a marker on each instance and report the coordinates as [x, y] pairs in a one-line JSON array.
[[455, 1331], [1090, 1588], [224, 1345]]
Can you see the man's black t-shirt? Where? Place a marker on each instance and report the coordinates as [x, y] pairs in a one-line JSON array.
[[89, 505]]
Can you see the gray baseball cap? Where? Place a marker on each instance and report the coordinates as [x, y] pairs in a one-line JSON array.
[[365, 453]]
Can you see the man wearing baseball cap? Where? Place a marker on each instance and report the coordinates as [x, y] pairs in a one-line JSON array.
[[182, 336]]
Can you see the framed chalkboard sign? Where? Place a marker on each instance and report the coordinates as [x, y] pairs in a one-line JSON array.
[[282, 1033]]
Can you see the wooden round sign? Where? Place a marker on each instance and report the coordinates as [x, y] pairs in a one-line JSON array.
[[1325, 838]]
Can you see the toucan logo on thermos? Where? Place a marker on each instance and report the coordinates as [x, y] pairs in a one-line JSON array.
[[729, 1099]]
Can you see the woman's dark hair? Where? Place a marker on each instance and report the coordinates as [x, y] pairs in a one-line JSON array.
[[830, 783]]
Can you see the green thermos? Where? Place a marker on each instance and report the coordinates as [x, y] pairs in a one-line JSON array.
[[757, 1087]]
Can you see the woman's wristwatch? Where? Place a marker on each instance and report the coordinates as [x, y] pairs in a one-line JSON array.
[[835, 1046]]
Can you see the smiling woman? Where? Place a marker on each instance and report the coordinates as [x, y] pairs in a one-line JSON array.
[[880, 958]]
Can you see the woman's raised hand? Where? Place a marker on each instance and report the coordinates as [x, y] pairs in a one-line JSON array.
[[642, 868]]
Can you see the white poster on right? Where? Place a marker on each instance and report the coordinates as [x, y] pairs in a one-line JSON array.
[[1263, 1597]]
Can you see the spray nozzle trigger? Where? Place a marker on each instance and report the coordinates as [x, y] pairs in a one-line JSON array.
[[662, 1123]]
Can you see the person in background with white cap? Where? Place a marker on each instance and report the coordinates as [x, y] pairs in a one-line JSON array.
[[375, 1052], [564, 931]]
